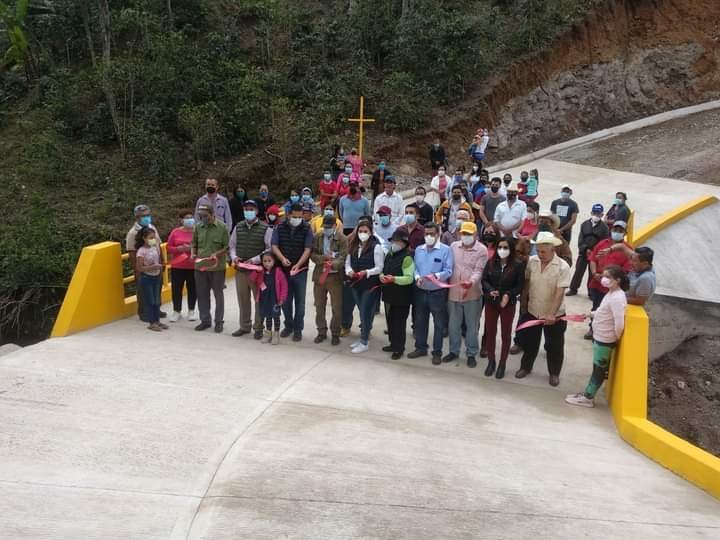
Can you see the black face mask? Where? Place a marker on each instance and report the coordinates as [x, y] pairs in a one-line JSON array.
[[456, 197], [489, 238], [544, 227], [511, 197], [353, 190], [211, 189], [494, 189]]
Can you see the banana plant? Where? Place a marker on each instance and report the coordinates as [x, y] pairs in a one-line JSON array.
[[14, 22]]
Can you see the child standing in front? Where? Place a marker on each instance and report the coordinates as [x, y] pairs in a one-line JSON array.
[[607, 325], [272, 296]]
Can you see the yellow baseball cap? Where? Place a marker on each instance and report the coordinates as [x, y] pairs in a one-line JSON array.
[[469, 228]]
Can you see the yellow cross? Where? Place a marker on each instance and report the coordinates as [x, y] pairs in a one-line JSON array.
[[361, 121]]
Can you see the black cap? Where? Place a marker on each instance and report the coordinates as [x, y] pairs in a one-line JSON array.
[[329, 221], [400, 236]]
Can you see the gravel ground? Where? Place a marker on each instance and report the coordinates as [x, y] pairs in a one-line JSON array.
[[685, 149], [684, 392]]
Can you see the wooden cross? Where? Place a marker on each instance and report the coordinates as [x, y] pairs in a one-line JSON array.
[[362, 120]]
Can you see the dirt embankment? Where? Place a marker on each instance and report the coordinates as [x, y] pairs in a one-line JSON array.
[[684, 392], [628, 60]]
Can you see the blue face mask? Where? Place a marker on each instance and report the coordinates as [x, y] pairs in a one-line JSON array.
[[328, 213], [381, 166], [617, 236], [619, 202], [263, 193], [188, 223], [145, 221], [307, 198], [250, 215], [564, 195], [384, 220], [326, 177], [409, 218], [294, 198]]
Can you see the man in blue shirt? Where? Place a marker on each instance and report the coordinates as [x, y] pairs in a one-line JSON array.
[[432, 259]]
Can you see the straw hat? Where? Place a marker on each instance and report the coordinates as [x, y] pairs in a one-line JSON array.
[[544, 237]]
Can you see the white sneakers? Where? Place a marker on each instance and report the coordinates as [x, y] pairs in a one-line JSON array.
[[359, 348], [267, 336], [191, 315], [580, 400], [175, 317]]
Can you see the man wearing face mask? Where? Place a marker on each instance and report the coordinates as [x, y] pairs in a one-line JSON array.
[[328, 190], [413, 228], [316, 223], [446, 215], [592, 231], [490, 202], [390, 199], [377, 183], [385, 226], [510, 214], [453, 235], [506, 181], [209, 247], [328, 253], [437, 157], [307, 212], [432, 260], [567, 210], [292, 243], [221, 206], [352, 207], [603, 255], [143, 218], [264, 201], [424, 210], [248, 241], [619, 211], [465, 301]]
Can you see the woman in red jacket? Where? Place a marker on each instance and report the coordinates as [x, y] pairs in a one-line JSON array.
[[182, 272]]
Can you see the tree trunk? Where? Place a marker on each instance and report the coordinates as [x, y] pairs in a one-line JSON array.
[[85, 14], [104, 19], [171, 17]]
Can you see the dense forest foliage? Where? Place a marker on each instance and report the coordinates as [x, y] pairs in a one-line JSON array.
[[106, 104]]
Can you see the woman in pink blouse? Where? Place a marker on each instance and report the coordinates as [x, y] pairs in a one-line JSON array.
[[182, 273]]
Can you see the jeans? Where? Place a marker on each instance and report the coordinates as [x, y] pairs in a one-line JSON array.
[[150, 291], [470, 311], [297, 285], [366, 300], [493, 312], [183, 278], [348, 306], [529, 340], [210, 281], [430, 303], [269, 321], [396, 317], [580, 267], [602, 353]]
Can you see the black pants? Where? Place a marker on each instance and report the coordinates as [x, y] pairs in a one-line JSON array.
[[581, 266], [396, 317], [529, 340], [179, 278]]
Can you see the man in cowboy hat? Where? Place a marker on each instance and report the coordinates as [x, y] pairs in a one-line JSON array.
[[546, 278]]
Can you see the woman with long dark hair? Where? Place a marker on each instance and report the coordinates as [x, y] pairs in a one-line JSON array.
[[502, 283], [363, 265]]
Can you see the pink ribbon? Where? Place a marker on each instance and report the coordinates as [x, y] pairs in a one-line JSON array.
[[294, 272], [179, 259], [538, 322], [206, 259], [327, 266], [248, 266], [432, 278]]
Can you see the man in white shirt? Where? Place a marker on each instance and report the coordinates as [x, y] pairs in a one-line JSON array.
[[506, 181], [390, 199], [510, 214]]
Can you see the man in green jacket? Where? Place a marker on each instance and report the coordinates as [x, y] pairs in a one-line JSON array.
[[209, 248]]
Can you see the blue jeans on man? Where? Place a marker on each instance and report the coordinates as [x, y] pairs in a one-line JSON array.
[[470, 311], [429, 303], [297, 285]]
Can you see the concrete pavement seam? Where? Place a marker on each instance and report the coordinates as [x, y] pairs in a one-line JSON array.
[[473, 511], [243, 432], [95, 488]]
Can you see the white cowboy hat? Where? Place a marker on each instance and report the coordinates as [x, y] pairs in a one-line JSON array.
[[545, 237]]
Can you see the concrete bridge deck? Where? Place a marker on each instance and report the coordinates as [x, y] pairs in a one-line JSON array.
[[123, 433]]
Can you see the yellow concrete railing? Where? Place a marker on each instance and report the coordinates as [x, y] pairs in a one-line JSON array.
[[627, 388]]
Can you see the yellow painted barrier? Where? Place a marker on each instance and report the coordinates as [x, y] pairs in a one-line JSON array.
[[627, 389]]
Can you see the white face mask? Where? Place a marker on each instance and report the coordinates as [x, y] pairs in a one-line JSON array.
[[595, 219], [396, 246], [606, 282], [468, 240], [503, 253], [531, 215], [419, 198], [363, 236], [430, 240], [441, 173], [295, 221]]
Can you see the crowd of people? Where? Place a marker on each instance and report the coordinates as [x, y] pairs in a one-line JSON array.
[[485, 248]]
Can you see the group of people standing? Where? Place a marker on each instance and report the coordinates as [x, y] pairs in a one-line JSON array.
[[486, 248]]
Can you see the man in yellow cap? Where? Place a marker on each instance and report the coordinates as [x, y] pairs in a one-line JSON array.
[[465, 300], [547, 276]]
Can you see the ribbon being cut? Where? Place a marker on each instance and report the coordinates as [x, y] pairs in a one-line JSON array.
[[538, 322], [212, 260]]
